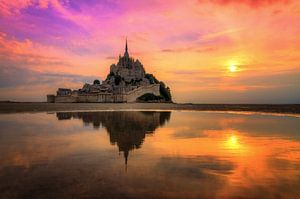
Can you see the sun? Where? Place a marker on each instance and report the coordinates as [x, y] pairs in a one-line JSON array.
[[232, 68]]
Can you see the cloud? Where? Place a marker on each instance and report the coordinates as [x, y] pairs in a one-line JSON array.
[[11, 77], [111, 57], [250, 3], [190, 49], [23, 84], [13, 7], [248, 87], [26, 53], [200, 167]]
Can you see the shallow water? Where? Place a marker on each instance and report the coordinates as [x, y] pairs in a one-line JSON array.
[[135, 154]]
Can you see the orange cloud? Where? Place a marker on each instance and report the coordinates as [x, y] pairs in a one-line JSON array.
[[251, 3]]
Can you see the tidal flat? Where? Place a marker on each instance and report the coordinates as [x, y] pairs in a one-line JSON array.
[[149, 154], [15, 107]]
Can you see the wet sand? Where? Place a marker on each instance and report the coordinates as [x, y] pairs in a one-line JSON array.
[[15, 107]]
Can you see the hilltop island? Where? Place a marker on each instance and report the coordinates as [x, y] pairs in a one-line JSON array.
[[126, 82]]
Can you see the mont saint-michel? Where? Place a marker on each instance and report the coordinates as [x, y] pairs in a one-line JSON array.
[[126, 82]]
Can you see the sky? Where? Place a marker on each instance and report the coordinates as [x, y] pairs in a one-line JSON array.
[[206, 51]]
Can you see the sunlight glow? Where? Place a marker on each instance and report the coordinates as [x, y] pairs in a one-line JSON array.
[[233, 142], [232, 68]]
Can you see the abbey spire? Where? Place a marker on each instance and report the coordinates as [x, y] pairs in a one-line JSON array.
[[126, 50]]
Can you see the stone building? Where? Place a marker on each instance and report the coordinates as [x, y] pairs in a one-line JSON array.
[[126, 82]]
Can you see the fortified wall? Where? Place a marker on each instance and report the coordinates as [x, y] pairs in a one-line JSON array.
[[131, 96]]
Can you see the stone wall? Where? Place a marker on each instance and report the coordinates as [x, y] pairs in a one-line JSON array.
[[134, 94], [65, 99], [50, 98], [131, 96], [88, 98]]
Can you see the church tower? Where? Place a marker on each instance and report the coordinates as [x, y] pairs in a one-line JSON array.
[[126, 50]]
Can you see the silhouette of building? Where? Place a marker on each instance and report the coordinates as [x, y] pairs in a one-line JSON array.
[[126, 129], [127, 81]]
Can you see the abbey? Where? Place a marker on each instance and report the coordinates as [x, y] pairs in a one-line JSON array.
[[126, 82]]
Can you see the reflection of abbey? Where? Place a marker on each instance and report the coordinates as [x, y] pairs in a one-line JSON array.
[[126, 82], [130, 130]]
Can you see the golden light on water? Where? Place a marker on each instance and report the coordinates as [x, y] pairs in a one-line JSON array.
[[232, 142], [240, 153]]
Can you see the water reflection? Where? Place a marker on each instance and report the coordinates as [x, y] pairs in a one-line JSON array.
[[188, 155], [126, 129], [232, 142]]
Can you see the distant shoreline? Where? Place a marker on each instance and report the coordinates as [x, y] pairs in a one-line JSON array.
[[19, 107]]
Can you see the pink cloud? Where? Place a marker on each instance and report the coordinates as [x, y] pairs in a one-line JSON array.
[[14, 6], [250, 3]]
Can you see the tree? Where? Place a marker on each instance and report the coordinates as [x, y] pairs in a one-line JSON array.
[[151, 79], [118, 79], [149, 97], [165, 92], [111, 74]]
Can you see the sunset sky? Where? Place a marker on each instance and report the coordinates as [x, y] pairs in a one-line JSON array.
[[206, 51]]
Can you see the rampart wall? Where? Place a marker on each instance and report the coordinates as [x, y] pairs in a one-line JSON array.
[[130, 96]]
